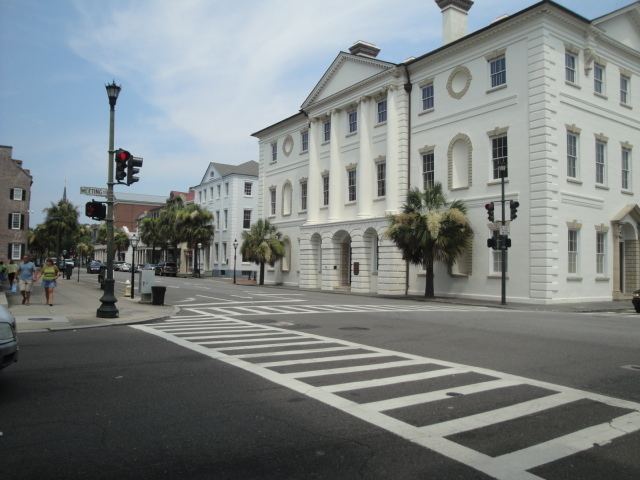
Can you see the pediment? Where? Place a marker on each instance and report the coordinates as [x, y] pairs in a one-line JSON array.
[[622, 25], [210, 174], [346, 70]]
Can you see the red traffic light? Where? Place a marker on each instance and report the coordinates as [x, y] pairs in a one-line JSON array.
[[122, 155]]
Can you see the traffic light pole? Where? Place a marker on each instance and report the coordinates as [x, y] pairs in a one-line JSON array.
[[108, 300], [503, 247]]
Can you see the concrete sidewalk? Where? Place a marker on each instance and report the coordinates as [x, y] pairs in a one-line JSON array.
[[75, 306]]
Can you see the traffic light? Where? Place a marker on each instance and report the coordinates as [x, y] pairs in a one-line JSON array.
[[132, 169], [122, 159], [95, 210], [493, 241], [490, 211], [514, 209]]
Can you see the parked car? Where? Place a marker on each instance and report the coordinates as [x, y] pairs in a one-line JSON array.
[[117, 265], [94, 266], [125, 267], [8, 338], [166, 269], [148, 266]]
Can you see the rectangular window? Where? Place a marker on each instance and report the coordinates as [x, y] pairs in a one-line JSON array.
[[570, 67], [428, 170], [219, 188], [326, 130], [601, 159], [598, 78], [353, 121], [224, 252], [427, 97], [325, 190], [304, 138], [381, 170], [15, 221], [205, 194], [217, 219], [382, 111], [217, 252], [303, 195], [572, 155], [498, 71], [572, 249], [376, 255], [246, 219], [200, 196], [247, 189], [17, 194], [16, 251], [272, 201], [274, 151], [211, 192], [226, 218], [601, 252], [624, 89], [499, 155], [626, 168], [351, 184], [226, 189]]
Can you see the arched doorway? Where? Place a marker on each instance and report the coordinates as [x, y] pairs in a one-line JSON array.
[[342, 249], [316, 260]]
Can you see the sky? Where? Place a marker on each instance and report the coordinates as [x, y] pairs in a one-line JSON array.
[[197, 76]]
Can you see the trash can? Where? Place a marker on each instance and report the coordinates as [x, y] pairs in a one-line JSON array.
[[636, 300], [157, 294]]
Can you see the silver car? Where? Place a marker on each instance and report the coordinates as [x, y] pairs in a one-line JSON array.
[[8, 338]]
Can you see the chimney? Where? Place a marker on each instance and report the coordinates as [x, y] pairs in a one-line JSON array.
[[454, 18], [364, 49]]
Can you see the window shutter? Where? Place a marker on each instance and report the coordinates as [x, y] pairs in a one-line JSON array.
[[22, 250], [22, 221], [9, 251], [11, 193], [24, 194], [9, 222]]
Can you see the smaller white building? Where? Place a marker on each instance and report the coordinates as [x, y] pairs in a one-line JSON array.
[[230, 193]]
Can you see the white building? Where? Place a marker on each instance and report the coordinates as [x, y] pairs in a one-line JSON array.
[[553, 94], [230, 193]]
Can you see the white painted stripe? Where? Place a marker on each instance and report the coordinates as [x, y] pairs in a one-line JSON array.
[[234, 332], [278, 294], [378, 382], [235, 335], [305, 309], [246, 309], [360, 368], [241, 296], [235, 302], [201, 322], [225, 328], [504, 414], [292, 352], [401, 402], [248, 340], [225, 311], [272, 345], [572, 443], [261, 308], [355, 356], [213, 298]]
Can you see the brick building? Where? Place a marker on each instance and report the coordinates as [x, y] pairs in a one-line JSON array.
[[14, 205]]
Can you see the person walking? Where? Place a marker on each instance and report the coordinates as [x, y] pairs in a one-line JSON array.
[[49, 275], [3, 272], [26, 276], [12, 269]]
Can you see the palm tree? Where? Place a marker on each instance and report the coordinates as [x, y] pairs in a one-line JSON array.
[[429, 229], [262, 244], [193, 224], [120, 241], [150, 235], [167, 220], [61, 225]]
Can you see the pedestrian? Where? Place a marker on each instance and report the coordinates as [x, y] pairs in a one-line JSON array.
[[49, 274], [12, 269], [26, 275], [3, 272]]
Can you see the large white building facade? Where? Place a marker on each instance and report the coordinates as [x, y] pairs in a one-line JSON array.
[[552, 94], [230, 193]]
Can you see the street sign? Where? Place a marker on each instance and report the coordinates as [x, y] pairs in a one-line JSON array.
[[94, 191], [504, 229]]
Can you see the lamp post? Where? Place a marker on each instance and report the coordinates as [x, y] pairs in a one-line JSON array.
[[198, 259], [134, 240], [235, 248], [108, 300]]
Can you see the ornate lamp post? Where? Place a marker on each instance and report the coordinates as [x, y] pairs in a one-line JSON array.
[[134, 240], [108, 301], [235, 248]]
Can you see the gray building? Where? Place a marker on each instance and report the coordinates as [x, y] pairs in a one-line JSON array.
[[14, 205]]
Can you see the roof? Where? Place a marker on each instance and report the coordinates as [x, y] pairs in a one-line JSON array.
[[246, 168]]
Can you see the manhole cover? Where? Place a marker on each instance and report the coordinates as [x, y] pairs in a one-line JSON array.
[[353, 328], [40, 319]]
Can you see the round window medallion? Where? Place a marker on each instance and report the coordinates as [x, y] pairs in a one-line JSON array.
[[287, 145], [459, 82]]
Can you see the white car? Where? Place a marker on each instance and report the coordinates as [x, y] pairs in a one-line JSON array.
[[125, 267]]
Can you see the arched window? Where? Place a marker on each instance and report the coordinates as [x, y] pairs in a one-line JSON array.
[[459, 154], [286, 198], [286, 260]]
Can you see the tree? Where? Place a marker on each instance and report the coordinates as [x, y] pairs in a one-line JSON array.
[[429, 229], [168, 222], [193, 224], [61, 227], [262, 244], [120, 241], [150, 235]]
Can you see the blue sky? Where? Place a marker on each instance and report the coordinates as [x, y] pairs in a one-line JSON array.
[[198, 77]]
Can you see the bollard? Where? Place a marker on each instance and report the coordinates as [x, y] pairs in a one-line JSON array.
[[127, 289]]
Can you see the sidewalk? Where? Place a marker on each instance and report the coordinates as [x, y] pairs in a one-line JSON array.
[[75, 306]]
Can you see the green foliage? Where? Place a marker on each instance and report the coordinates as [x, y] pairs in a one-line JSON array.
[[429, 229], [262, 244], [60, 230]]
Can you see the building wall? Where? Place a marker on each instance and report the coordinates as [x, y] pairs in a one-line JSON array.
[[12, 175], [126, 214]]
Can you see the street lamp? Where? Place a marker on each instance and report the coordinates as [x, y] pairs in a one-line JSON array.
[[235, 248], [134, 240], [108, 301]]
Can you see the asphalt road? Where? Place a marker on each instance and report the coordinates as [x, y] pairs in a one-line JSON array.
[[249, 383]]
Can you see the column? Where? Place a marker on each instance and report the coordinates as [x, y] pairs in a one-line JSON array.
[[314, 179], [366, 179], [393, 147], [336, 173]]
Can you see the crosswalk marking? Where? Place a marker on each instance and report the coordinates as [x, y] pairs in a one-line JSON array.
[[227, 338]]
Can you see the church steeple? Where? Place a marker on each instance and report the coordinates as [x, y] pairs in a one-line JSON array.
[[64, 192]]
